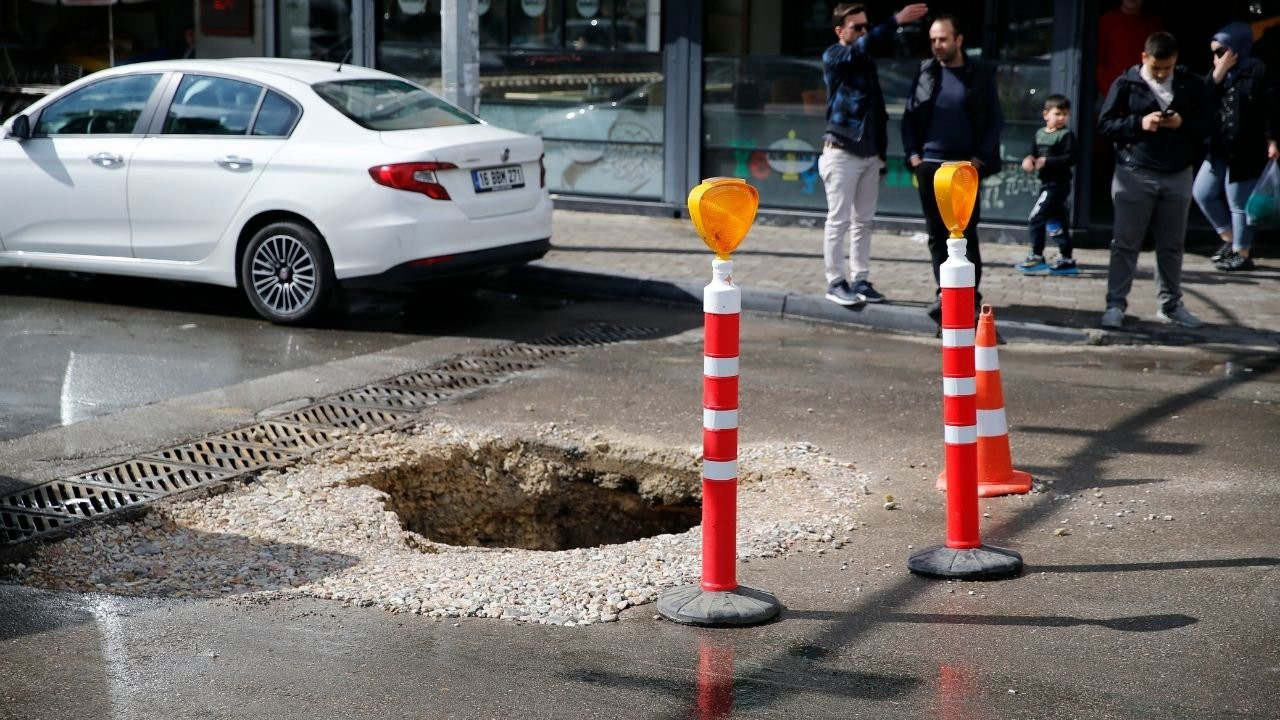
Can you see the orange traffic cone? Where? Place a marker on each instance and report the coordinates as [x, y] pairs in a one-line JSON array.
[[996, 475]]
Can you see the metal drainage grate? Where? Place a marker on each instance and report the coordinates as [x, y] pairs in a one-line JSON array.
[[19, 525], [68, 502], [598, 334], [391, 396], [223, 455], [489, 366], [446, 382], [296, 438], [536, 352], [331, 415], [151, 475]]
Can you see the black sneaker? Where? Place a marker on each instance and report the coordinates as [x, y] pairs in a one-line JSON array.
[[1222, 252], [839, 293], [1235, 262], [863, 289]]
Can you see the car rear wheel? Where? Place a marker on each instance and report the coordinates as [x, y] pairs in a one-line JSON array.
[[286, 273]]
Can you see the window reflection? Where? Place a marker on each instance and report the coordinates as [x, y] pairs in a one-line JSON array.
[[536, 24], [585, 75], [600, 116], [315, 29]]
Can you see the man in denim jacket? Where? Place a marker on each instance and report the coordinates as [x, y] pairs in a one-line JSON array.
[[854, 148]]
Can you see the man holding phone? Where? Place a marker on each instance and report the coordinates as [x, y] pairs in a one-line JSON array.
[[1155, 114]]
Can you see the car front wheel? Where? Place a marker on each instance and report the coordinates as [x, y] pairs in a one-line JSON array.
[[286, 273]]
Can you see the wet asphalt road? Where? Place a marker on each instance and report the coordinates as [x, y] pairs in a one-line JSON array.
[[76, 347], [1146, 619]]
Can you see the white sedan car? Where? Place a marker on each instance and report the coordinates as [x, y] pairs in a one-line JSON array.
[[281, 177]]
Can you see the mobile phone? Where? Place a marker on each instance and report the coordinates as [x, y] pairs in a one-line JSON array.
[[1168, 112]]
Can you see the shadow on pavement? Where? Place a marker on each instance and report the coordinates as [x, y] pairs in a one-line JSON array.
[[848, 625], [223, 565]]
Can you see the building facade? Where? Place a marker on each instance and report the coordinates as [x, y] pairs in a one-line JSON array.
[[638, 100]]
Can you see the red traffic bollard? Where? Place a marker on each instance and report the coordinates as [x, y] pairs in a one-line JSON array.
[[722, 210], [963, 556]]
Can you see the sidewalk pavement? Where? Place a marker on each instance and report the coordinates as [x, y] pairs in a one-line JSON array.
[[780, 271]]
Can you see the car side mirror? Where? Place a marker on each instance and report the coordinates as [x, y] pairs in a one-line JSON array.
[[19, 126]]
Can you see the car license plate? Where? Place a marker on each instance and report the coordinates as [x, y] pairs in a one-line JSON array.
[[509, 177]]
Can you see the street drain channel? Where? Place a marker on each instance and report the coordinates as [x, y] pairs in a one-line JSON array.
[[54, 508], [537, 496]]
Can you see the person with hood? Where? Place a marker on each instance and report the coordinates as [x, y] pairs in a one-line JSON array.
[[1155, 115], [1242, 113]]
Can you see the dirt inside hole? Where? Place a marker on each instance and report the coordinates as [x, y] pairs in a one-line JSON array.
[[541, 496]]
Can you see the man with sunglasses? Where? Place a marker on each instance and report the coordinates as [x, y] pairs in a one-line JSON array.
[[854, 148]]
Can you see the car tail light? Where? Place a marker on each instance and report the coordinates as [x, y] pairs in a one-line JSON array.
[[542, 170], [414, 177]]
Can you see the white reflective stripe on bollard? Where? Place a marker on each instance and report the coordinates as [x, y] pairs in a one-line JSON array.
[[953, 387], [963, 337], [720, 469], [719, 367], [985, 358], [991, 423], [719, 419], [960, 434]]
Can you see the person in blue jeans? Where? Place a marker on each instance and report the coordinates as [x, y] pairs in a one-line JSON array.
[[1242, 110], [1053, 152]]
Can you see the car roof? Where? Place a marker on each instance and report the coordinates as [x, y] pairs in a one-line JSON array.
[[303, 71]]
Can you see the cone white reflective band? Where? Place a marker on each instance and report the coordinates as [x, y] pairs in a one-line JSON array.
[[719, 419], [985, 358], [719, 367], [960, 434], [957, 338], [991, 423], [720, 469], [957, 275], [953, 387], [720, 296]]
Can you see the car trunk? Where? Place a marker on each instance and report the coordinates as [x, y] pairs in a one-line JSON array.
[[486, 182]]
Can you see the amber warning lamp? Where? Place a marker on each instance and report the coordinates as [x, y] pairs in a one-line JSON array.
[[722, 210], [955, 185]]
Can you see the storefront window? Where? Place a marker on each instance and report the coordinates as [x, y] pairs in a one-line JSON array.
[[763, 119], [585, 75], [536, 24], [764, 99], [600, 116], [316, 29]]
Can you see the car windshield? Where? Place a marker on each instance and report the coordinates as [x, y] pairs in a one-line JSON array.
[[391, 105]]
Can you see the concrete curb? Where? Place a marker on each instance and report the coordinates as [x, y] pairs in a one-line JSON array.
[[567, 281]]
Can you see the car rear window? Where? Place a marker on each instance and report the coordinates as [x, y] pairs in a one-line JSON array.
[[379, 104]]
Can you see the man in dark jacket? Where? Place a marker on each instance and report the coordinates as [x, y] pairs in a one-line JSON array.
[[953, 113], [854, 148], [1155, 114]]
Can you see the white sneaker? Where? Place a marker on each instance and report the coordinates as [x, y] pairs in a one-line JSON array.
[[1113, 318], [1180, 316]]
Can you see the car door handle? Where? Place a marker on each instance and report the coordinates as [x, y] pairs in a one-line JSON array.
[[106, 159], [235, 162]]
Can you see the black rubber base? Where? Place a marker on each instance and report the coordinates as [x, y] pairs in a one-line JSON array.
[[981, 563], [691, 605]]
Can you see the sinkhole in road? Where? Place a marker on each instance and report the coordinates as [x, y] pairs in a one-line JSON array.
[[538, 495]]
